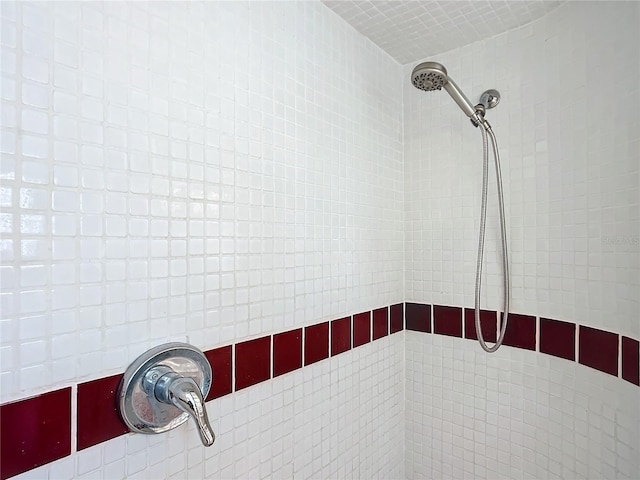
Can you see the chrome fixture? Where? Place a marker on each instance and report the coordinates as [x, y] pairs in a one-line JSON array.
[[165, 386], [490, 99], [429, 76]]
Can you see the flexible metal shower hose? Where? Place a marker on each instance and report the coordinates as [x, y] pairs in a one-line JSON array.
[[486, 129]]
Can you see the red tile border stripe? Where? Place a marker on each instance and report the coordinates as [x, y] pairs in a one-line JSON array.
[[598, 349], [631, 360], [361, 329], [253, 362], [220, 360], [340, 336], [396, 318], [380, 323], [557, 338], [316, 343], [287, 352], [521, 331], [34, 431], [418, 317], [98, 420], [487, 324], [98, 417], [447, 321]]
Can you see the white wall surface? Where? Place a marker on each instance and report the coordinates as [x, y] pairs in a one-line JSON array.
[[568, 130], [340, 418], [220, 171], [569, 141], [209, 171], [514, 414]]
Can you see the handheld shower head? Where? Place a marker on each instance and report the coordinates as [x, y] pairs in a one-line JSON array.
[[429, 76]]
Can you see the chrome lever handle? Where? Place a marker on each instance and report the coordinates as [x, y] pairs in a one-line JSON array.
[[165, 386], [185, 394]]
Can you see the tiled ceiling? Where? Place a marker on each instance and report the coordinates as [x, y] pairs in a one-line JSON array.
[[411, 30]]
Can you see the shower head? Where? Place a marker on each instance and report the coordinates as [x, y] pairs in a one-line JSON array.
[[429, 76]]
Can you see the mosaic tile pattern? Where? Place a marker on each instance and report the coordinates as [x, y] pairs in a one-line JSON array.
[[35, 431], [192, 171], [202, 172], [254, 360], [294, 399], [514, 413], [571, 197], [570, 185], [409, 31], [188, 171]]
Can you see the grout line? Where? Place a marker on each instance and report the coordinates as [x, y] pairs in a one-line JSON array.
[[330, 337], [74, 418], [404, 316], [233, 367], [303, 349], [74, 386], [432, 321], [619, 356], [271, 356]]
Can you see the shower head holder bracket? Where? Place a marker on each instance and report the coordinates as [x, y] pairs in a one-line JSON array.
[[489, 99]]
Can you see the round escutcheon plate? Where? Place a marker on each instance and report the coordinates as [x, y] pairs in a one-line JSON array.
[[140, 409]]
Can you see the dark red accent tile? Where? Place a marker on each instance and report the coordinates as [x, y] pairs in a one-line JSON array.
[[631, 360], [98, 417], [521, 331], [598, 349], [287, 352], [396, 318], [316, 343], [558, 338], [34, 432], [447, 321], [380, 323], [487, 323], [253, 362], [361, 329], [220, 360], [340, 336], [418, 317]]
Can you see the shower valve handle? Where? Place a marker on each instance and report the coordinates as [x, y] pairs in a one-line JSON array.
[[183, 393], [165, 386]]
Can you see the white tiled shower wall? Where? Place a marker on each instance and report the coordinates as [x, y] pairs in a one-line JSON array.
[[210, 171], [514, 414], [226, 170], [568, 130], [342, 418], [218, 170], [569, 142]]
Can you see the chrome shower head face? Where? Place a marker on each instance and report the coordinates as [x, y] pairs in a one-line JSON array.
[[429, 76]]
